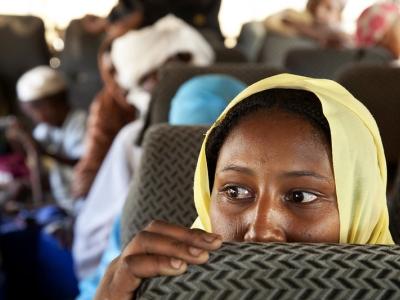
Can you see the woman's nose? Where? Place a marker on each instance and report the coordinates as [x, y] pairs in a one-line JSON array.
[[267, 225]]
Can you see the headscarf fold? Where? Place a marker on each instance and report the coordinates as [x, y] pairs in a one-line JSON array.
[[357, 154]]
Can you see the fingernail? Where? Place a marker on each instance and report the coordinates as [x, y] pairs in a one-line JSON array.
[[195, 251], [210, 238], [176, 263]]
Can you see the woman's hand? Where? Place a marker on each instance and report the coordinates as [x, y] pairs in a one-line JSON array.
[[161, 249]]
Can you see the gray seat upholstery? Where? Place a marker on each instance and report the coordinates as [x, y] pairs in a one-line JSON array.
[[378, 88], [277, 46], [172, 77], [226, 55], [79, 63], [163, 186], [286, 271], [325, 63], [23, 47], [251, 39]]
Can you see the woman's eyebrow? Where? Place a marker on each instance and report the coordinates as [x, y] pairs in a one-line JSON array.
[[237, 168], [303, 173]]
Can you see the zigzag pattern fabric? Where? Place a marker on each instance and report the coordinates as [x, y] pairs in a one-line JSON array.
[[286, 271], [163, 186]]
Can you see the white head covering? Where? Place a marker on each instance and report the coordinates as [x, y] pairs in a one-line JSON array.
[[39, 82], [139, 52]]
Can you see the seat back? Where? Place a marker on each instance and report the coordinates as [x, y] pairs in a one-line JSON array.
[[277, 46], [163, 186], [325, 63], [285, 271], [172, 77], [251, 39], [23, 47], [79, 64], [226, 55], [378, 88]]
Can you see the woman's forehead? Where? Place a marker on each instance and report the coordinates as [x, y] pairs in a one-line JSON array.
[[275, 135]]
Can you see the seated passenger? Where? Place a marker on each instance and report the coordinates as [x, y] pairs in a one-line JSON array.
[[59, 131], [291, 159], [199, 101], [136, 58], [200, 14], [379, 25], [321, 21], [19, 182]]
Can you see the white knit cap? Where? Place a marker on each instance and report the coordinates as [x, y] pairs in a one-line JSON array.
[[139, 52], [39, 82]]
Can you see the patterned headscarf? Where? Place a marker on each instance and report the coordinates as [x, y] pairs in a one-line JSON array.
[[374, 22]]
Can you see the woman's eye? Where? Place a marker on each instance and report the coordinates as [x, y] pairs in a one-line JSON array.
[[301, 197], [237, 192]]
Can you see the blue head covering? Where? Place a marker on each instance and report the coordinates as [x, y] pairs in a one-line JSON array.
[[202, 99]]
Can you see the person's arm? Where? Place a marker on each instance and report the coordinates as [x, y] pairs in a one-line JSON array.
[[161, 249], [324, 35], [57, 157]]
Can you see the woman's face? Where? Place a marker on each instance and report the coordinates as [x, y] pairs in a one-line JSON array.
[[274, 182]]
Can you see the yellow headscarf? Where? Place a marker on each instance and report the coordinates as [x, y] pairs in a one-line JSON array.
[[358, 160]]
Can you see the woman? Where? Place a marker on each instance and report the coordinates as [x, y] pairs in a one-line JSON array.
[[291, 159]]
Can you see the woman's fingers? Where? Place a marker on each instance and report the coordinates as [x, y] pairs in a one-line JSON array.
[[126, 275], [194, 237], [146, 242], [160, 249]]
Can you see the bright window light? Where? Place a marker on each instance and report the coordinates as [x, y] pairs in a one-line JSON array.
[[58, 13]]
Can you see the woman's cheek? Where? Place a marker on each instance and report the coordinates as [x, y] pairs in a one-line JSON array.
[[321, 228], [228, 226]]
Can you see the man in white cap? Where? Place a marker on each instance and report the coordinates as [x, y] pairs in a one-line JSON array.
[[59, 131]]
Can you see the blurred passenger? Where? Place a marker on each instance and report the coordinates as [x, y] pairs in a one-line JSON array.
[[320, 21], [198, 101], [59, 131], [20, 176], [273, 168], [379, 25], [130, 73], [201, 14]]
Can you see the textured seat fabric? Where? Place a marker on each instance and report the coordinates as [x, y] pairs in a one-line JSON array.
[[286, 271], [163, 186], [172, 77], [79, 63], [23, 47], [325, 63], [378, 88]]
